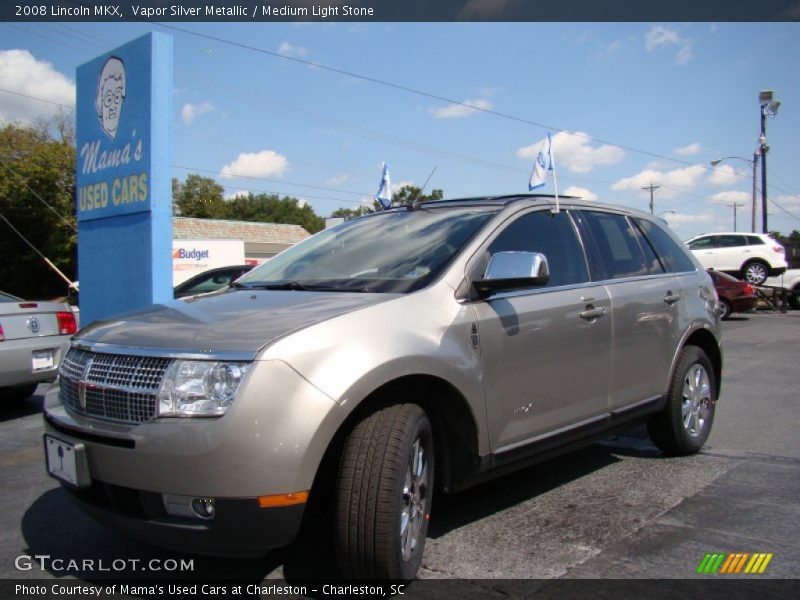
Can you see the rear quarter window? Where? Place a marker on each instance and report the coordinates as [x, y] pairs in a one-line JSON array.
[[672, 254]]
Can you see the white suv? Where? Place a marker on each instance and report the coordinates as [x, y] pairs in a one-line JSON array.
[[750, 256]]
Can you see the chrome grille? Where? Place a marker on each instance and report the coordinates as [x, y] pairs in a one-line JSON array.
[[114, 387]]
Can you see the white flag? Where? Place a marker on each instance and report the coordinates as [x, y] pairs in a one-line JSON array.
[[384, 193], [544, 162]]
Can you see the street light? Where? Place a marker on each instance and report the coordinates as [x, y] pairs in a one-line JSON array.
[[754, 164], [667, 212], [769, 107]]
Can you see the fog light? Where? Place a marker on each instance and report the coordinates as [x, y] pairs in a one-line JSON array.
[[203, 507], [188, 506]]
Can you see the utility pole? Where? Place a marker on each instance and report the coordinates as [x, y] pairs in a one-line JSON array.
[[769, 108], [734, 205], [652, 189]]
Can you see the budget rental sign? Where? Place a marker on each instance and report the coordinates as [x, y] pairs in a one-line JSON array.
[[124, 197]]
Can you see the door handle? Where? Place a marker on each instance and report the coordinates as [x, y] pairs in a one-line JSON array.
[[671, 298], [592, 313]]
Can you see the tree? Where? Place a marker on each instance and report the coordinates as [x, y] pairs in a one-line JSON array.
[[405, 195], [199, 197], [37, 196], [271, 208]]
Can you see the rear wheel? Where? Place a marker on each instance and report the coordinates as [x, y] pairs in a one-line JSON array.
[[724, 309], [683, 425], [755, 272], [383, 494]]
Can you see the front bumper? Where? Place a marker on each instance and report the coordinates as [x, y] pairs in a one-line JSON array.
[[270, 442], [239, 529]]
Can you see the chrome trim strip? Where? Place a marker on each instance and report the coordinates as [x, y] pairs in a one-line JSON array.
[[225, 355]]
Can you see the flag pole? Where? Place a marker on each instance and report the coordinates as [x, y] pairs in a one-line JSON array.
[[555, 179]]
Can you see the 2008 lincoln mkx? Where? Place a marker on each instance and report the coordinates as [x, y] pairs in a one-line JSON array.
[[419, 348]]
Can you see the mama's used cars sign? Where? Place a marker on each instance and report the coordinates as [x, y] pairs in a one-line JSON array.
[[124, 197]]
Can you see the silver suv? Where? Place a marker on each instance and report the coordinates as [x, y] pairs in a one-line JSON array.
[[419, 348]]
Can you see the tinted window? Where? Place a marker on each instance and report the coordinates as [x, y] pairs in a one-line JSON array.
[[729, 241], [552, 235], [650, 257], [673, 256], [702, 243], [616, 243], [754, 240]]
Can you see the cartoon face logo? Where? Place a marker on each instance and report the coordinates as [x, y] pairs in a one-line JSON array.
[[110, 95]]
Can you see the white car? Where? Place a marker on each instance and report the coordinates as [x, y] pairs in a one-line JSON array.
[[791, 281], [752, 257]]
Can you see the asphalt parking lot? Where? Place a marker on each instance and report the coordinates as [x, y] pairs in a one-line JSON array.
[[616, 509]]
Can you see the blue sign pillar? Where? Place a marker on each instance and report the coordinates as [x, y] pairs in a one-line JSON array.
[[124, 165]]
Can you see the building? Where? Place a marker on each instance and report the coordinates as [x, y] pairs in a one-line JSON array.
[[261, 240]]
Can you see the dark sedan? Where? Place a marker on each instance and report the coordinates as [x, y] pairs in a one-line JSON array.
[[734, 296]]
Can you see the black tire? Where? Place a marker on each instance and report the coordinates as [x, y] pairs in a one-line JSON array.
[[683, 425], [724, 310], [375, 488], [17, 393], [755, 272]]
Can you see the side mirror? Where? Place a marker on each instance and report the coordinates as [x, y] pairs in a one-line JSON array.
[[509, 271]]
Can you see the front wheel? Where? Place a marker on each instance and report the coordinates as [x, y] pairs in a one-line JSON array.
[[383, 494], [683, 425], [755, 273]]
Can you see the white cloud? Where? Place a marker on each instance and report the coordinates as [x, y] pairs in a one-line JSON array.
[[660, 37], [190, 111], [730, 197], [22, 73], [672, 182], [722, 175], [689, 150], [288, 49], [255, 164], [236, 194], [580, 192], [682, 218], [338, 180], [457, 111], [573, 151], [396, 187]]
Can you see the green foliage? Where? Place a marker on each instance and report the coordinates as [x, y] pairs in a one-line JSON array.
[[203, 198], [405, 195], [37, 162]]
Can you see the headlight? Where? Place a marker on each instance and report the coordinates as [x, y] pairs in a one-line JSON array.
[[198, 388]]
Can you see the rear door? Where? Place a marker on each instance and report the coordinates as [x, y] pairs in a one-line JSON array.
[[645, 302], [545, 351]]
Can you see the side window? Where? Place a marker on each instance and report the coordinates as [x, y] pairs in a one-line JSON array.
[[651, 259], [210, 283], [754, 240], [552, 235], [702, 243], [615, 240], [673, 255], [730, 241]]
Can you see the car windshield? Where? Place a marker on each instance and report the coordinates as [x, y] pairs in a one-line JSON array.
[[395, 251]]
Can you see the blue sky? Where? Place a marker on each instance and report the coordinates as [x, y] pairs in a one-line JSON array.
[[618, 93]]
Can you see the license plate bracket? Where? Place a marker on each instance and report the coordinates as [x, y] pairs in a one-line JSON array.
[[41, 360], [67, 462]]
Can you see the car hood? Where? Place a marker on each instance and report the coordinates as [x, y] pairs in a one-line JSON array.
[[241, 321]]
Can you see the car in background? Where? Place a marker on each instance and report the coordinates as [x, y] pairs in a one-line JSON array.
[[202, 283], [211, 280], [791, 281], [734, 296], [752, 257], [34, 336]]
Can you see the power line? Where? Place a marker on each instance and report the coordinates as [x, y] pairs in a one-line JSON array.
[[411, 90]]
